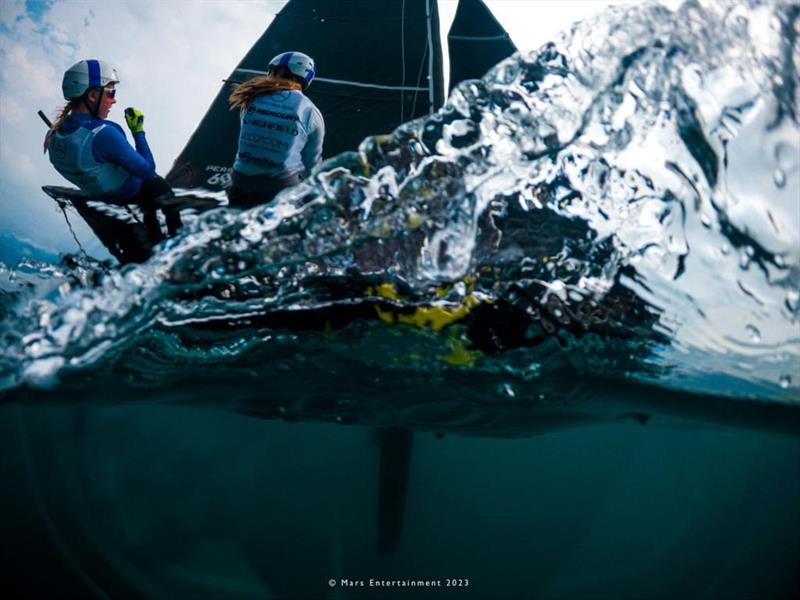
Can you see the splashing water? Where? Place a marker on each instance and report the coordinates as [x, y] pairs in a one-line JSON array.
[[623, 202]]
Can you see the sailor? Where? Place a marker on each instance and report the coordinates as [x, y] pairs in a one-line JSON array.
[[93, 153], [281, 133]]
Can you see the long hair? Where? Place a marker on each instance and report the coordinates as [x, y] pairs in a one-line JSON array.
[[278, 79], [65, 112]]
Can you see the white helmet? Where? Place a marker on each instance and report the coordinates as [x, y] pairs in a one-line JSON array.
[[298, 63], [87, 74]]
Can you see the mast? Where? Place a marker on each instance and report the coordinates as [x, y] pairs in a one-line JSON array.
[[435, 70]]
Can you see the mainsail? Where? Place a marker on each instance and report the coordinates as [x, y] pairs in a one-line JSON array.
[[379, 65]]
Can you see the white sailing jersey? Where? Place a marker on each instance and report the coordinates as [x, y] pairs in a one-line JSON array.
[[281, 135]]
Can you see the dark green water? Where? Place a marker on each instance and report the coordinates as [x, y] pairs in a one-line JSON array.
[[178, 502]]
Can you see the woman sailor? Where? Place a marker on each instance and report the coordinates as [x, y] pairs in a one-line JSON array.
[[93, 153], [281, 133]]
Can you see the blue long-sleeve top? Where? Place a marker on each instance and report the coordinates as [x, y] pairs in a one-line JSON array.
[[111, 145]]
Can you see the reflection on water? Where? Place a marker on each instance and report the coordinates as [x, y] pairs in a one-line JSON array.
[[185, 502]]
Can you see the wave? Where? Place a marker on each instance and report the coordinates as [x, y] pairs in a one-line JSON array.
[[621, 203]]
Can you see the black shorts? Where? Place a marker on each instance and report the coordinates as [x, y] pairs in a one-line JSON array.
[[247, 191]]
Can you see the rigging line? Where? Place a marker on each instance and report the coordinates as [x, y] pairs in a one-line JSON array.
[[391, 100], [340, 82], [63, 206], [431, 82], [419, 76], [402, 57], [346, 19], [478, 38], [133, 214], [376, 86]]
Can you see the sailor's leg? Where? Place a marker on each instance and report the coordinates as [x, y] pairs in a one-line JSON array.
[[164, 197], [151, 223], [156, 194], [173, 217]]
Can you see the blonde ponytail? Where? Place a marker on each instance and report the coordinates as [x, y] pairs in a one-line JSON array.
[[65, 112], [243, 94]]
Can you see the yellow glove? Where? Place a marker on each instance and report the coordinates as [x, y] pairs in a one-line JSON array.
[[135, 120]]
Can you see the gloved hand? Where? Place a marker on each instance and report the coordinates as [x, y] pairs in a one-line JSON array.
[[135, 120]]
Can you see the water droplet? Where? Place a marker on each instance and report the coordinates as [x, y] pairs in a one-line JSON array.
[[786, 156], [744, 261], [793, 300], [575, 296], [779, 177], [786, 381], [533, 369], [754, 333], [725, 249], [506, 389]]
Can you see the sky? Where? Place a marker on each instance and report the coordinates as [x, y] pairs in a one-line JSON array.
[[172, 56]]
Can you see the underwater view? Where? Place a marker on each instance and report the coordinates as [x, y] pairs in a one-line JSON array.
[[541, 343]]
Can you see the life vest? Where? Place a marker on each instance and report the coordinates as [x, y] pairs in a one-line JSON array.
[[274, 131], [71, 155]]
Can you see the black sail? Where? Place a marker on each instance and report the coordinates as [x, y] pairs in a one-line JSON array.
[[476, 42], [379, 63]]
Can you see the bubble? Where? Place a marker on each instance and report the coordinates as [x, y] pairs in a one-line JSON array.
[[507, 390], [779, 177], [785, 382], [785, 156], [793, 300], [744, 261], [753, 333]]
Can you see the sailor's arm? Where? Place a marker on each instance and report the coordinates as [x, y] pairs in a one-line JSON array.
[[143, 149], [135, 121], [312, 152], [110, 145]]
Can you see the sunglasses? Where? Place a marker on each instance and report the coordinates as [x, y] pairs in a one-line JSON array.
[[110, 93]]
